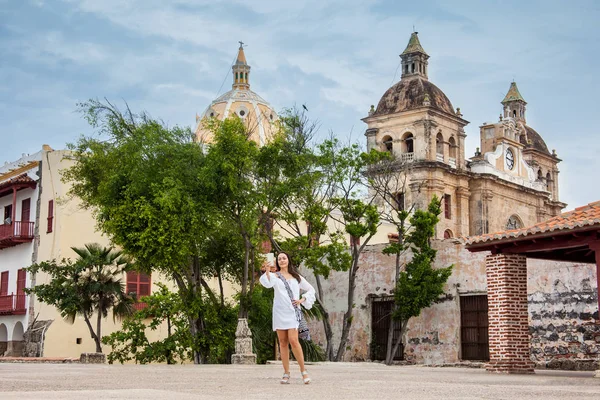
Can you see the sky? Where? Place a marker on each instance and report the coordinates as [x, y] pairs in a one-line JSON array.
[[337, 57]]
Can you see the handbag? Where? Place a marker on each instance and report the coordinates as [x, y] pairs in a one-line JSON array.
[[303, 332]]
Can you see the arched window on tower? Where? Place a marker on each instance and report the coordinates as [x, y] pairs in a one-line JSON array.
[[515, 113], [413, 68], [439, 147], [408, 147], [549, 182], [448, 234], [452, 148], [540, 176], [388, 144]]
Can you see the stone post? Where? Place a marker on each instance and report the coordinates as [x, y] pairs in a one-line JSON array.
[[92, 358], [243, 344], [507, 314]]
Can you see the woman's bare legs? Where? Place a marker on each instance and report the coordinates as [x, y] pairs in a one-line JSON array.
[[284, 349], [292, 336]]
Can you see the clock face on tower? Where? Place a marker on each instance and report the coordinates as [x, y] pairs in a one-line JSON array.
[[510, 159]]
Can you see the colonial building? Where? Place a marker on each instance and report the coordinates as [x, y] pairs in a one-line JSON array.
[[511, 182], [257, 114], [42, 222]]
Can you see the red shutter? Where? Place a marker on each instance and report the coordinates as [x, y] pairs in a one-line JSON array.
[[138, 283], [4, 283], [131, 282], [50, 215], [25, 210], [21, 279]]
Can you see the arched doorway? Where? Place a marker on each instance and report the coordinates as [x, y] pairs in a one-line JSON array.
[[3, 339], [15, 346]]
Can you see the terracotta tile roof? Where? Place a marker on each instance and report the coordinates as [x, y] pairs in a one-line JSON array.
[[21, 179], [581, 217]]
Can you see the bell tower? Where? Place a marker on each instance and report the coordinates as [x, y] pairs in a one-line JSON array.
[[241, 70], [414, 58], [514, 104]]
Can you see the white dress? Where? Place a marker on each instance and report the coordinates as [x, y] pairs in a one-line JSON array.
[[284, 316]]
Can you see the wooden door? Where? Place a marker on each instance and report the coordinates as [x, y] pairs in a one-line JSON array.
[[474, 328], [25, 213], [381, 317]]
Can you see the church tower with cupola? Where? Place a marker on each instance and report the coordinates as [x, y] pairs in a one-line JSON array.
[[510, 182], [515, 157], [416, 122], [240, 102], [414, 59]]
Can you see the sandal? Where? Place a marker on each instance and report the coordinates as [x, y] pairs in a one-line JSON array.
[[285, 380], [306, 379]]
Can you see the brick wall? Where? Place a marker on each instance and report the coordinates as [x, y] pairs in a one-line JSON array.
[[508, 316]]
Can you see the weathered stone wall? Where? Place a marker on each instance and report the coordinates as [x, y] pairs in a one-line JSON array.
[[433, 337], [15, 348], [563, 315]]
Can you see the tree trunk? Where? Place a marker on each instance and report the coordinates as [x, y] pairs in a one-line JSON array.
[[221, 293], [326, 322], [389, 356], [348, 315], [247, 247], [168, 355], [98, 332], [92, 333], [402, 328], [184, 291]]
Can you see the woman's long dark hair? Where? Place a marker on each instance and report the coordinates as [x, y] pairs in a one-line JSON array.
[[291, 268]]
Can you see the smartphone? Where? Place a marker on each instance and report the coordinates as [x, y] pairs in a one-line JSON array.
[[270, 257]]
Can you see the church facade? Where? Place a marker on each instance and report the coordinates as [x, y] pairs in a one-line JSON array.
[[510, 182]]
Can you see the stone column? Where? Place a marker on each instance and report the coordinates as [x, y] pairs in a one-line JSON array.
[[507, 314], [243, 344], [462, 211]]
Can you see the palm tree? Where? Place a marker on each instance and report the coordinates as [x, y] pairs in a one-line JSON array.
[[99, 286]]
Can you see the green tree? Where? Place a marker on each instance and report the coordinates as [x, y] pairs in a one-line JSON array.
[[419, 284], [358, 214], [144, 183], [91, 284], [388, 181], [309, 177]]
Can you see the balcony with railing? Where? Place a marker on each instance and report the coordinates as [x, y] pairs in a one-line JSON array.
[[439, 157], [138, 306], [452, 162], [407, 157], [16, 233], [13, 304]]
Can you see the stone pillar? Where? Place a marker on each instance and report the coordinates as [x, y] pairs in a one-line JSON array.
[[243, 344], [371, 135], [507, 314]]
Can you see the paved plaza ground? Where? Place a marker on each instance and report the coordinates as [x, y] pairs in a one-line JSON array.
[[331, 381]]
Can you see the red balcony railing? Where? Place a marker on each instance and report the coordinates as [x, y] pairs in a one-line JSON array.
[[139, 306], [12, 304], [14, 233]]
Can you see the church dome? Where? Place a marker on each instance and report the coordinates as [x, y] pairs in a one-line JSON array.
[[257, 114], [413, 93], [533, 140]]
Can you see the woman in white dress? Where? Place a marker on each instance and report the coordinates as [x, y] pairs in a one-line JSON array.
[[284, 314]]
